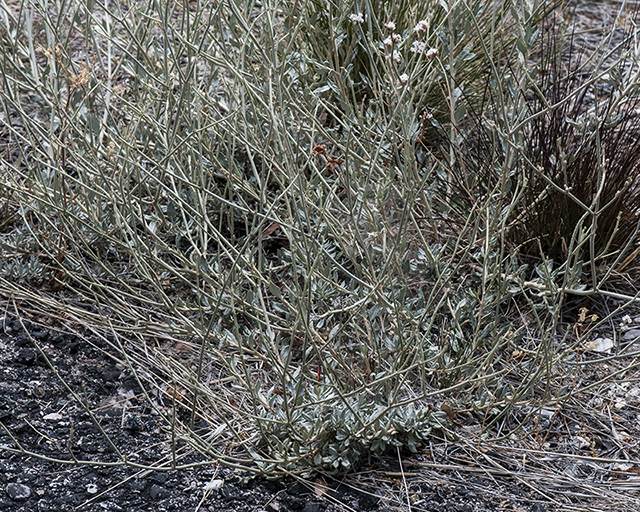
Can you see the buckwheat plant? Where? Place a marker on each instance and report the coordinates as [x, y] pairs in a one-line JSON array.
[[252, 204]]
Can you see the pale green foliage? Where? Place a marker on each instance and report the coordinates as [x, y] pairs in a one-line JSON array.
[[254, 179]]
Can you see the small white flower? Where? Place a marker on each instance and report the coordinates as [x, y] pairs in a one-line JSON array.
[[357, 19], [421, 26], [390, 25], [418, 47], [395, 55], [404, 78], [393, 39], [431, 53]]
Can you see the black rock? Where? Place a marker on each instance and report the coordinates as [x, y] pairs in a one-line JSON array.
[[26, 356], [131, 383], [273, 486], [137, 486], [132, 422], [313, 507], [229, 493], [160, 477], [367, 502], [298, 489], [293, 502], [22, 340], [39, 335], [158, 492], [20, 427], [32, 405], [59, 340], [111, 373], [28, 477], [18, 492]]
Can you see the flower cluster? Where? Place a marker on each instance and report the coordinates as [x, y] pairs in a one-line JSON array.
[[421, 26], [392, 39], [395, 55], [420, 47], [356, 19]]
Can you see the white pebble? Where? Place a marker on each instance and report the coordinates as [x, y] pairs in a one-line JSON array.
[[214, 485]]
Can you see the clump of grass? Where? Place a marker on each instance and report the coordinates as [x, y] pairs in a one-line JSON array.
[[575, 163], [582, 154]]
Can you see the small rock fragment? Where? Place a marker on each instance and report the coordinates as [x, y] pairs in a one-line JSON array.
[[54, 416], [18, 491], [600, 345], [622, 466], [633, 392], [620, 404], [581, 443], [158, 492], [632, 334], [214, 485], [26, 356], [132, 422], [538, 507]]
